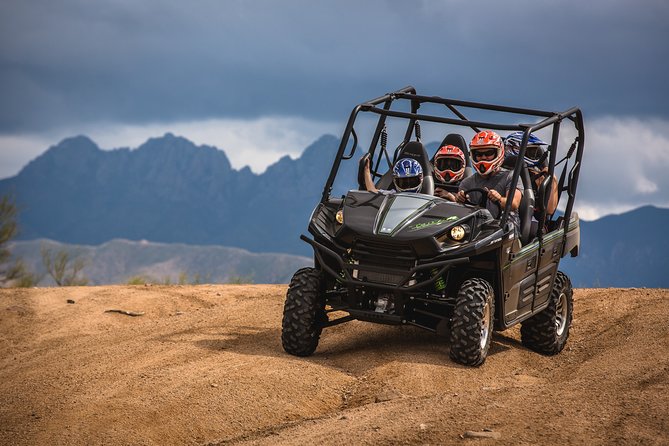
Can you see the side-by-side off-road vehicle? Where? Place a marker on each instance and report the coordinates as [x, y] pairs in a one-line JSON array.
[[421, 260]]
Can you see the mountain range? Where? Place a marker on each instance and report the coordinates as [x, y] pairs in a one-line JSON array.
[[626, 250], [170, 191]]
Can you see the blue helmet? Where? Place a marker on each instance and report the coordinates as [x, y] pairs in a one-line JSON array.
[[533, 151], [407, 175]]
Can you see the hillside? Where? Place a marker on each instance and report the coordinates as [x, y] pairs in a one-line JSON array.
[[119, 261], [168, 190], [204, 366], [610, 256], [626, 250], [171, 191]]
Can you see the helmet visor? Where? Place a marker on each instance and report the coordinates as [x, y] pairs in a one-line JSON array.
[[445, 163], [487, 154], [408, 183], [534, 152]]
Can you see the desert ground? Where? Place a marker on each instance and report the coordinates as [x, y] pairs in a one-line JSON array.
[[203, 365]]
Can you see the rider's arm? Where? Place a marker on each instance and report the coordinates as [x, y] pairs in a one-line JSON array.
[[495, 196], [553, 200], [517, 196], [369, 184], [439, 192]]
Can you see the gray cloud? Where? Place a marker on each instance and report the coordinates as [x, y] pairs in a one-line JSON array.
[[133, 62], [624, 165], [123, 71]]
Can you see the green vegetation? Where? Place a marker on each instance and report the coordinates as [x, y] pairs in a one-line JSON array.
[[240, 280], [138, 280], [63, 267], [199, 279], [12, 273], [183, 279], [119, 261]]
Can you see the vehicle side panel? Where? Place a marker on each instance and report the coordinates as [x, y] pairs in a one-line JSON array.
[[519, 277], [551, 249]]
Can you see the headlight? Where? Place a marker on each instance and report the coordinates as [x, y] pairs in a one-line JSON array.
[[458, 232], [339, 216]]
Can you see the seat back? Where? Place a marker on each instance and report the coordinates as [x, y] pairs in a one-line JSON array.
[[526, 208]]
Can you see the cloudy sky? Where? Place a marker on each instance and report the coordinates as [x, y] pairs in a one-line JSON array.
[[261, 79]]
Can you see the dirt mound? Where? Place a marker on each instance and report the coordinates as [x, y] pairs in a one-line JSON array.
[[204, 365]]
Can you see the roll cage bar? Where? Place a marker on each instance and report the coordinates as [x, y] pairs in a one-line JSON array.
[[408, 93]]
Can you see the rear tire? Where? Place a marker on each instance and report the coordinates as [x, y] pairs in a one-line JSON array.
[[303, 313], [472, 322], [547, 332]]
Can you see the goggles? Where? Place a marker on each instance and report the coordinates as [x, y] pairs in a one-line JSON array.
[[408, 183], [446, 163], [483, 153]]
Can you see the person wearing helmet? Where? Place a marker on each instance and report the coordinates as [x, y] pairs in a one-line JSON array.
[[407, 177], [449, 168], [487, 152], [535, 160], [534, 152]]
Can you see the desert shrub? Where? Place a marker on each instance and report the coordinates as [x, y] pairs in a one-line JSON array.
[[64, 267], [240, 280], [12, 272], [138, 280]]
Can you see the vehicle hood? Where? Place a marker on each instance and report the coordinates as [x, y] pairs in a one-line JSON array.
[[403, 216]]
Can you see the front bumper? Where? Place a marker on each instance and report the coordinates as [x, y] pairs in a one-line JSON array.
[[405, 280]]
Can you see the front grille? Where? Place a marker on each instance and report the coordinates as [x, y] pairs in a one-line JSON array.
[[395, 259], [384, 253]]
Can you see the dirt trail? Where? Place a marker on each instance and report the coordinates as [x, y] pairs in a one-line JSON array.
[[204, 365]]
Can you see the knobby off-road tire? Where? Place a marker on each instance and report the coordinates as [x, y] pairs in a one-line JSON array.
[[547, 332], [303, 313], [472, 322]]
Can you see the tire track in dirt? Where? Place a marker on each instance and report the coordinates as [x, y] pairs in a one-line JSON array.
[[204, 365]]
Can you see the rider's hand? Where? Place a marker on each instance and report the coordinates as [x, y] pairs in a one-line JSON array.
[[494, 196], [460, 197], [439, 192]]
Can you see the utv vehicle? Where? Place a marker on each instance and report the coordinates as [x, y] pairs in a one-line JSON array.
[[420, 260]]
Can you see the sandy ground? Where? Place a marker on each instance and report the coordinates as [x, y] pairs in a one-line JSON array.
[[204, 365]]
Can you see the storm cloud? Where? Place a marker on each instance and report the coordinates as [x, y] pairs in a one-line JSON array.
[[231, 73], [147, 61]]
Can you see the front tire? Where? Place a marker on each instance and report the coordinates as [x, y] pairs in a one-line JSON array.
[[472, 322], [547, 331], [303, 313]]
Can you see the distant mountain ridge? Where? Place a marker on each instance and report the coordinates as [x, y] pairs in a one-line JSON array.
[[170, 191], [626, 250]]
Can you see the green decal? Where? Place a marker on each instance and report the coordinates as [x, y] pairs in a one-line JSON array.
[[427, 224]]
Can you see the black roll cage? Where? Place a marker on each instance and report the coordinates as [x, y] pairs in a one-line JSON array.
[[408, 93]]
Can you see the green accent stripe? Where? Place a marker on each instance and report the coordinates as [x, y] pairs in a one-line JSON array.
[[534, 246]]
